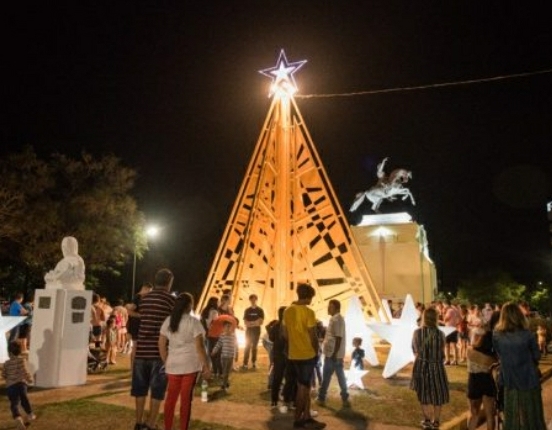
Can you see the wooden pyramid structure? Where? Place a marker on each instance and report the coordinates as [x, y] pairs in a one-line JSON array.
[[287, 226]]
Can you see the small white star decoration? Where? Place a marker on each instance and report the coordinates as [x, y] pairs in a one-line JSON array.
[[282, 74], [354, 378]]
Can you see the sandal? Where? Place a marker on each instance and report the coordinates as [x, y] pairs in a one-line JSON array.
[[426, 424]]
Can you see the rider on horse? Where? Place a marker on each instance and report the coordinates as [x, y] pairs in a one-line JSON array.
[[387, 188]]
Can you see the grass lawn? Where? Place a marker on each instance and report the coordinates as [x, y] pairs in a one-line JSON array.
[[388, 401], [377, 403]]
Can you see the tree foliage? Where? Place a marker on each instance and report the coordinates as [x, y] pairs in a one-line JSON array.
[[46, 200], [541, 299], [491, 286]]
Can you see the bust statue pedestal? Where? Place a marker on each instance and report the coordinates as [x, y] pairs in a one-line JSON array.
[[61, 323], [59, 348]]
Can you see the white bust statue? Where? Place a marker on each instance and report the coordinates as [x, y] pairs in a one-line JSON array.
[[69, 272]]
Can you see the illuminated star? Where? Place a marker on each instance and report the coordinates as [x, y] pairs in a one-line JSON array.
[[355, 326], [399, 335], [282, 74], [354, 378], [6, 324]]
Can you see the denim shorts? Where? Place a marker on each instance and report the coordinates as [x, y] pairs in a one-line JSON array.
[[303, 370], [148, 374]]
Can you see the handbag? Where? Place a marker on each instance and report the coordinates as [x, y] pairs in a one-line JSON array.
[[480, 358]]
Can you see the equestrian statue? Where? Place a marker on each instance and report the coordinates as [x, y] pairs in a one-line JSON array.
[[387, 188]]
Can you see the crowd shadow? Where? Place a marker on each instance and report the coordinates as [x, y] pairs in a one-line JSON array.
[[345, 415]]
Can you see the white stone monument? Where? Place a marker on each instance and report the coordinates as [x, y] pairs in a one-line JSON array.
[[69, 272], [396, 253], [61, 323]]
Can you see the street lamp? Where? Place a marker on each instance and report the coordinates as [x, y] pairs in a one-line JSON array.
[[151, 231]]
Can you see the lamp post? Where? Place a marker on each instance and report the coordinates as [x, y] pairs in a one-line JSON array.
[[151, 231]]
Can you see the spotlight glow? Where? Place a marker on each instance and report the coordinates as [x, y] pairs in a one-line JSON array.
[[152, 231]]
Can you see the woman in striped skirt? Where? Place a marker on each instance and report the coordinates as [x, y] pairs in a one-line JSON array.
[[429, 378]]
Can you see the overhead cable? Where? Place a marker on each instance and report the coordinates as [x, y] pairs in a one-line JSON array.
[[427, 86]]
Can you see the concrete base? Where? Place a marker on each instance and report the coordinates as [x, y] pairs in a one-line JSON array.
[[396, 254], [60, 334]]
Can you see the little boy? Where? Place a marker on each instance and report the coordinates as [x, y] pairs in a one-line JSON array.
[[357, 356], [17, 376], [227, 346]]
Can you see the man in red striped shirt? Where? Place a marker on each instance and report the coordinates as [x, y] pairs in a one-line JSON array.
[[148, 373]]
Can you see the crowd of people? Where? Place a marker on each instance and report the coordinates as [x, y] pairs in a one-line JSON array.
[[175, 349], [502, 354], [171, 349], [109, 327]]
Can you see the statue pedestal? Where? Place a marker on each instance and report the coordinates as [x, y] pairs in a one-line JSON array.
[[60, 337], [395, 251]]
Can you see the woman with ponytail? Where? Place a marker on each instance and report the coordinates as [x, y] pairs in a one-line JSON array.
[[181, 345]]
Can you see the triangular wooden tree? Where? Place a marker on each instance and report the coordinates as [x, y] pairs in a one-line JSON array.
[[287, 226]]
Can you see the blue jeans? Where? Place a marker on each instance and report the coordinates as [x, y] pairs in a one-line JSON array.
[[252, 336], [330, 366], [17, 393]]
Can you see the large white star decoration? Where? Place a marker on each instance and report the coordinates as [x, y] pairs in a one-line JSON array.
[[399, 335], [355, 326], [354, 378], [385, 311], [282, 74], [6, 324]]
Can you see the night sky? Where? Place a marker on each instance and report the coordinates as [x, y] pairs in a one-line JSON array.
[[174, 92]]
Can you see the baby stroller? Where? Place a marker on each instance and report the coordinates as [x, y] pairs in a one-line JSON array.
[[499, 399], [97, 361]]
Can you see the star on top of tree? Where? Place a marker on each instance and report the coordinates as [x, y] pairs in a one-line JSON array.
[[282, 74]]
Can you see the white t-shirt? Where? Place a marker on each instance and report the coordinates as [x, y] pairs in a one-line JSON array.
[[336, 328], [183, 357]]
